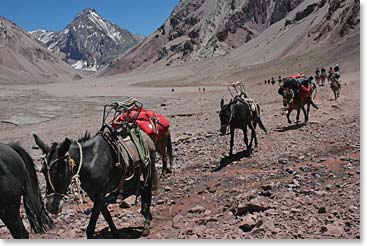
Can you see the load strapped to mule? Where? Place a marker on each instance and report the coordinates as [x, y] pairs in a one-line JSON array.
[[302, 85], [237, 91], [127, 130]]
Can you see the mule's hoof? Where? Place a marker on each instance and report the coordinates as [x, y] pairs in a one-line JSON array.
[[145, 232]]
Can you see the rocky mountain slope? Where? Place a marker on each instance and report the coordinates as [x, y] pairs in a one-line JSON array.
[[199, 29], [253, 31], [23, 58], [332, 25], [89, 41]]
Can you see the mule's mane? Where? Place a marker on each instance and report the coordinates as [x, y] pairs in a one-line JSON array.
[[85, 138]]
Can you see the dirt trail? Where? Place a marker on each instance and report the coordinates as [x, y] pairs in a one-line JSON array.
[[301, 182]]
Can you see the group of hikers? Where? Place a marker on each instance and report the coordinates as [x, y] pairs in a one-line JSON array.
[[321, 75], [272, 80]]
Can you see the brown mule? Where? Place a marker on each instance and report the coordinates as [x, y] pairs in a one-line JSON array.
[[335, 85], [298, 103], [163, 145]]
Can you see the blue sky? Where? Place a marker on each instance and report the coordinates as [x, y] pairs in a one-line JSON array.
[[138, 16]]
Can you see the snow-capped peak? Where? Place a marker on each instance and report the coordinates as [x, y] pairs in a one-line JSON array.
[[89, 42]]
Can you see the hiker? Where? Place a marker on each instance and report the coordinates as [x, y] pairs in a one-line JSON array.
[[331, 71], [317, 76], [272, 81], [323, 76], [337, 70], [280, 80]]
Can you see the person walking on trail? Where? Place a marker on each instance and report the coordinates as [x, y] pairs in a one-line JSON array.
[[330, 75], [317, 76], [272, 81], [323, 76], [336, 75], [280, 80]]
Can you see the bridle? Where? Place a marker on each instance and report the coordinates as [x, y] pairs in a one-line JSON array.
[[75, 183], [287, 92]]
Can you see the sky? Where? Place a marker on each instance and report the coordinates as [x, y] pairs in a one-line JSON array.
[[138, 16]]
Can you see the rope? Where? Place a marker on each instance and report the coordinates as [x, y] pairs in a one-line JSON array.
[[75, 184]]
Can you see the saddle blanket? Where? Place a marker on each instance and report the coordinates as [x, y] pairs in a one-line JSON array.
[[153, 124], [304, 91]]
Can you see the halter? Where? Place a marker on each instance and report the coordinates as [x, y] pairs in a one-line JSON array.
[[75, 184], [286, 93]]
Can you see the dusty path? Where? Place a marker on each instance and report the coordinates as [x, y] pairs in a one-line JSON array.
[[302, 182]]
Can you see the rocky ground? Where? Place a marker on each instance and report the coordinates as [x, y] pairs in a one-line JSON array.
[[301, 182]]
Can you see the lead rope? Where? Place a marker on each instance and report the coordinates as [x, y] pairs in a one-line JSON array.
[[75, 184]]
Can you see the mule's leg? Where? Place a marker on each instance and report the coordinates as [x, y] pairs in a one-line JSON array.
[[13, 222], [108, 218], [164, 160], [245, 139], [253, 135], [308, 110], [305, 113], [146, 200], [288, 115], [297, 117], [97, 206], [232, 141]]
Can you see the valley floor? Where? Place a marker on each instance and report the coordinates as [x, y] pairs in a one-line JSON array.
[[301, 182]]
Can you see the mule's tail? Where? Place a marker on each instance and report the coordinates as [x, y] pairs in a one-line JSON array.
[[314, 93], [315, 90], [155, 176], [261, 125], [170, 151], [36, 213]]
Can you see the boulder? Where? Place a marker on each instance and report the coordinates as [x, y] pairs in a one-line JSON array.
[[197, 209]]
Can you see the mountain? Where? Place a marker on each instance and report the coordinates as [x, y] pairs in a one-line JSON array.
[[202, 29], [22, 58], [198, 30], [326, 25], [89, 41]]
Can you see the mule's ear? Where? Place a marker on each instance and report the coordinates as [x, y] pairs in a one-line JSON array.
[[44, 147], [64, 147], [221, 103]]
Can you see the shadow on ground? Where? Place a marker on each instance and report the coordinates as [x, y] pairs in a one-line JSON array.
[[229, 159], [290, 127], [124, 233]]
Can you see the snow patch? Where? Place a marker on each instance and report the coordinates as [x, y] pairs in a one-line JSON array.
[[83, 65]]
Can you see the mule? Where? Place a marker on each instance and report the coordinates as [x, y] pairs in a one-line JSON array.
[[157, 127], [103, 176], [295, 102], [335, 86], [18, 178], [237, 115], [163, 145]]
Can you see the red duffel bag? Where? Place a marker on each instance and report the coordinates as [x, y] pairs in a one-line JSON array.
[[304, 91]]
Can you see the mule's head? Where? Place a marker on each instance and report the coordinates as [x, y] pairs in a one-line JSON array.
[[224, 116], [287, 94], [55, 168]]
